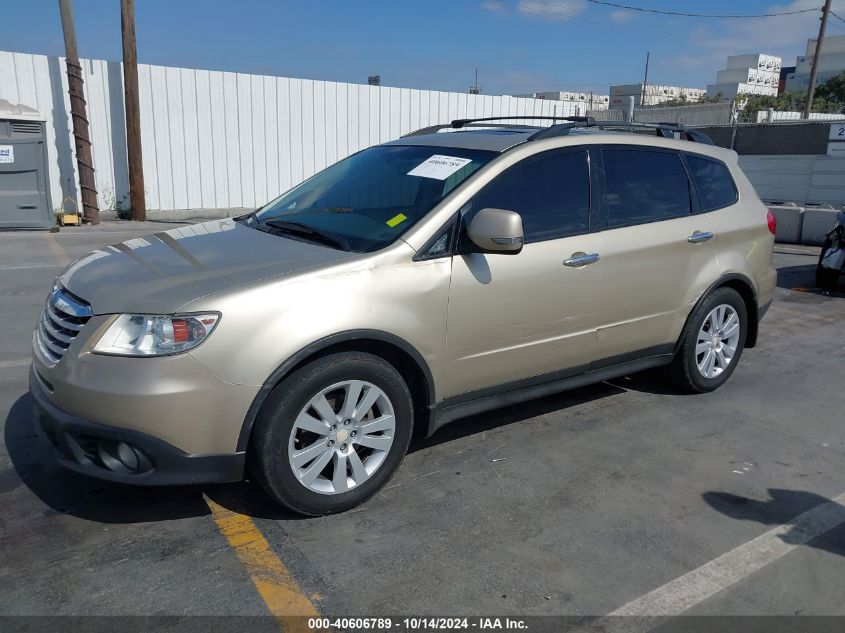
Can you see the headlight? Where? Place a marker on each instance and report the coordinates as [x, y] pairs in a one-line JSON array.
[[154, 335]]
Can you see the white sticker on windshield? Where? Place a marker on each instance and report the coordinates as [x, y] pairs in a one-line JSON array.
[[439, 167]]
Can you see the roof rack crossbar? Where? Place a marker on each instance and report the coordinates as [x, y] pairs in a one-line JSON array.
[[433, 129], [459, 123]]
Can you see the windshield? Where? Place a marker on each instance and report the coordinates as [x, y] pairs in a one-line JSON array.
[[363, 203]]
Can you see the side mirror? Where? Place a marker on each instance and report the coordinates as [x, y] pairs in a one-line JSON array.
[[496, 231]]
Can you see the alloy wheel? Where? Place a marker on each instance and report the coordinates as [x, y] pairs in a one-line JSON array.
[[341, 437], [717, 341]]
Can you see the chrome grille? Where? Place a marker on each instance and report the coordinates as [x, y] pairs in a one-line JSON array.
[[60, 322]]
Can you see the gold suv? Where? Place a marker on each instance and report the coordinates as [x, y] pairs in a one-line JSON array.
[[455, 270]]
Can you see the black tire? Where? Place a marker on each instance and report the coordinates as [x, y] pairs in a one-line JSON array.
[[269, 445], [825, 278], [683, 371]]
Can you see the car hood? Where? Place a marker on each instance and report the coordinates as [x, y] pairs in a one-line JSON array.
[[161, 272]]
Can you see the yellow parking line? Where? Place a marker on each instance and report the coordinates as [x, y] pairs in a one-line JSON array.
[[57, 250], [268, 573]]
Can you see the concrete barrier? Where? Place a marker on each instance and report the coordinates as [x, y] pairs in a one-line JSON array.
[[790, 219], [817, 223]]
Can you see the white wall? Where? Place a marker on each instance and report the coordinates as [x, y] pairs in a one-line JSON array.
[[789, 115], [216, 140], [799, 179]]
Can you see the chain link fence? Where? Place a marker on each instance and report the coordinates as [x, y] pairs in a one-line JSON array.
[[749, 132], [787, 138], [689, 115], [607, 115], [695, 115]]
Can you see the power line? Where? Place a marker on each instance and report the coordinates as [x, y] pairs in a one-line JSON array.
[[701, 15], [541, 10], [837, 17]]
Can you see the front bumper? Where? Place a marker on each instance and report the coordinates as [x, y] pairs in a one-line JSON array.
[[95, 449]]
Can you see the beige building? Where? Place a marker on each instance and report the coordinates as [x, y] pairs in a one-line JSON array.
[[651, 94], [831, 63], [756, 74], [583, 100]]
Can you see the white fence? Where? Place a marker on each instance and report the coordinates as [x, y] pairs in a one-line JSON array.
[[769, 116], [221, 140]]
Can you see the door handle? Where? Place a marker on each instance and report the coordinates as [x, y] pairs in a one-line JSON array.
[[27, 206], [699, 236], [577, 260]]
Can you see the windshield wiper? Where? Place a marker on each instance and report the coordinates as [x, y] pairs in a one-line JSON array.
[[308, 232], [247, 217]]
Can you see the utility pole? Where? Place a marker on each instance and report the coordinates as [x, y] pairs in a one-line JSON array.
[[475, 89], [133, 111], [645, 80], [90, 208], [812, 87]]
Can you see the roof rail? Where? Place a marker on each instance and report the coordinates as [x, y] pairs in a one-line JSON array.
[[666, 130]]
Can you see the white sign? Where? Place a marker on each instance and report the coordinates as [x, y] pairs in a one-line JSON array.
[[836, 149], [439, 167], [837, 131], [7, 154]]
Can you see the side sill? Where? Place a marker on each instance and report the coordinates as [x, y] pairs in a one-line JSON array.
[[447, 411]]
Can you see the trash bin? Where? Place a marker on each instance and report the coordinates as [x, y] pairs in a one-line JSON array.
[[24, 182]]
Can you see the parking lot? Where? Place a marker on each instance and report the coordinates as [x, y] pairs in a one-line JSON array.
[[615, 498]]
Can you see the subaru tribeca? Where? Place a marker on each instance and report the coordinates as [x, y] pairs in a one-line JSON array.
[[460, 268]]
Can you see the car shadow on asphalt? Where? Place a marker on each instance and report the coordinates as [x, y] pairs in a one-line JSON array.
[[803, 279], [784, 507], [68, 492], [797, 276], [650, 381], [504, 416]]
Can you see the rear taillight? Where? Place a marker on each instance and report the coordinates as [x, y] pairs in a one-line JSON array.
[[772, 221]]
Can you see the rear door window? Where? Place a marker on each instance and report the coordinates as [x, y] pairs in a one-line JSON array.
[[713, 181], [644, 186]]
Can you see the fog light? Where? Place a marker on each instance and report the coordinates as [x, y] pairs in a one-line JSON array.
[[127, 456]]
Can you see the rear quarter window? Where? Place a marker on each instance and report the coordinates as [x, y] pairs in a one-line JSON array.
[[713, 181]]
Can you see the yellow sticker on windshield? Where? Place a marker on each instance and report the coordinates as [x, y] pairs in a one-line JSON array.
[[396, 220]]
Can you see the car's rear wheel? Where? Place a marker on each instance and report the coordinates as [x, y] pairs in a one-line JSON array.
[[712, 342], [333, 433]]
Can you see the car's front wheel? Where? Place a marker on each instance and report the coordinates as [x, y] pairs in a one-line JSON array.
[[712, 342], [333, 433]]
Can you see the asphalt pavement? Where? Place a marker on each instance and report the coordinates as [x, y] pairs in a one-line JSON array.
[[615, 498]]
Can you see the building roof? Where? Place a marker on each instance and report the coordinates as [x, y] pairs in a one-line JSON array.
[[19, 112]]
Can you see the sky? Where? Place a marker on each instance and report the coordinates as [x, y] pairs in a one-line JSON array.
[[518, 46]]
